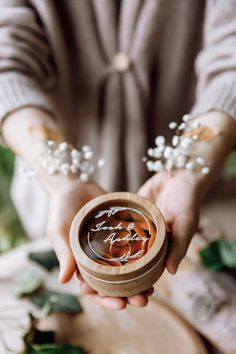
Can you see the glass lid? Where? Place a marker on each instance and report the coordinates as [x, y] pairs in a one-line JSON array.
[[117, 233]]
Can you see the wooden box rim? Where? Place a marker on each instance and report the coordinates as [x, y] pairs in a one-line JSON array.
[[135, 268]]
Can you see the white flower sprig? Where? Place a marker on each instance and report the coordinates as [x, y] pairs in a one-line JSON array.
[[63, 158], [179, 154]]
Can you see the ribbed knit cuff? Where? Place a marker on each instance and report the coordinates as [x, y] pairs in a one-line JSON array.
[[219, 94], [18, 91]]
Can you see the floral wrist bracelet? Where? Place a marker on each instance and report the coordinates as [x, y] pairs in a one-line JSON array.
[[63, 158], [59, 157]]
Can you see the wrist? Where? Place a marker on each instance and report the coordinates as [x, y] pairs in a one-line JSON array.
[[67, 164], [54, 162], [19, 132], [195, 181], [216, 149], [57, 184]]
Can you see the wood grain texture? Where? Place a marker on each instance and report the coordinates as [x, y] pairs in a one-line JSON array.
[[155, 329]]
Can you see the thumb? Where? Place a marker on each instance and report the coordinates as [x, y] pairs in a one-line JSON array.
[[144, 191], [152, 187], [67, 266], [64, 254], [147, 191], [183, 229]]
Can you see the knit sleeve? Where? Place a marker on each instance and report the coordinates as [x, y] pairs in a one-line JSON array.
[[26, 70], [216, 63]]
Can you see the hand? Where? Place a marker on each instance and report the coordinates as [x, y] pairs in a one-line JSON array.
[[66, 199], [63, 207], [114, 303], [178, 198]]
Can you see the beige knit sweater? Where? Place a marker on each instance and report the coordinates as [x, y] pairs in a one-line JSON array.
[[58, 55]]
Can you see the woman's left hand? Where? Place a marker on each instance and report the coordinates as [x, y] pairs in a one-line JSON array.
[[178, 197]]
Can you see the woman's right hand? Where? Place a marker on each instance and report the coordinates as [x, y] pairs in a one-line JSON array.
[[66, 198]]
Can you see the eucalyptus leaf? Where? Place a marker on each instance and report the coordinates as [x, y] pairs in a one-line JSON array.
[[47, 259], [219, 254], [211, 257], [228, 253], [27, 283], [59, 302], [54, 349]]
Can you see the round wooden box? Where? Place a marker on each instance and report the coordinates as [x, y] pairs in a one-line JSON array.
[[119, 243]]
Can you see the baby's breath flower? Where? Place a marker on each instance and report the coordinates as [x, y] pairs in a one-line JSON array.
[[178, 154]]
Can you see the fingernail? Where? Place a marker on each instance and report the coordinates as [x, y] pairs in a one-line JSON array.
[[61, 276], [149, 292], [176, 265]]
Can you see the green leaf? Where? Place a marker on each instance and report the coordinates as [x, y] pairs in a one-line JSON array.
[[219, 254], [228, 253], [42, 342], [27, 283], [6, 162], [47, 259], [54, 349], [60, 302], [211, 257], [35, 336], [11, 230], [230, 166]]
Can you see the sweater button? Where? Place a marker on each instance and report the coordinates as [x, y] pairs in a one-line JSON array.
[[121, 62]]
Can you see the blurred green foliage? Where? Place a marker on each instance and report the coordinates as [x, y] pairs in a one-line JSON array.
[[230, 166], [12, 233]]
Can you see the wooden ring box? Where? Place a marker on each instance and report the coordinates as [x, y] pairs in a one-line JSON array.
[[119, 243]]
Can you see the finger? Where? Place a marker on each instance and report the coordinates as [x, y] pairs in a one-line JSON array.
[[112, 303], [67, 265], [145, 191], [148, 189], [79, 276], [64, 255], [183, 229], [151, 187], [149, 292], [140, 300], [85, 289], [109, 302]]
